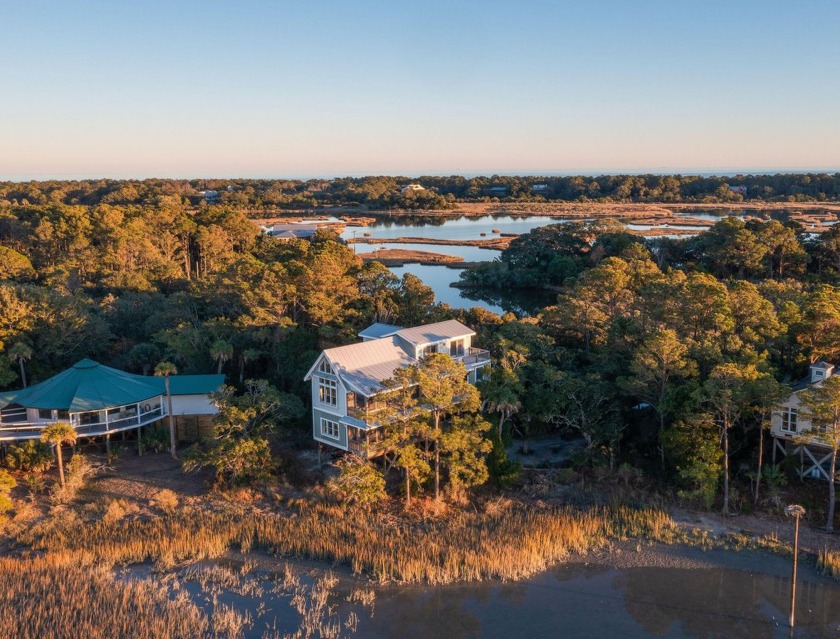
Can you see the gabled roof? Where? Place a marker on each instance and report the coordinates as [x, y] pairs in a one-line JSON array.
[[364, 366], [88, 385], [825, 366], [378, 329], [438, 332]]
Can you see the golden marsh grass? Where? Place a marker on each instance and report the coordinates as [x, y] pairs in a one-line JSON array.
[[509, 543]]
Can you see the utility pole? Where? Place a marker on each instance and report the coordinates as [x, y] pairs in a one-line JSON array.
[[795, 511]]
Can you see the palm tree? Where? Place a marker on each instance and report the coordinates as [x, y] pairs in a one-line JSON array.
[[222, 352], [22, 352], [165, 369], [59, 434], [247, 356]]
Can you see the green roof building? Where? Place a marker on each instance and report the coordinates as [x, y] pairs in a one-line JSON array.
[[99, 400]]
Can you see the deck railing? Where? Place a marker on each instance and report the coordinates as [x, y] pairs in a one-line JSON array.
[[473, 357], [12, 429]]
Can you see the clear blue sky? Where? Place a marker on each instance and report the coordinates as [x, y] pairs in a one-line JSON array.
[[296, 89]]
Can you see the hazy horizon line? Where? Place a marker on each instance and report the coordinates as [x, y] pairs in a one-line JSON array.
[[660, 171]]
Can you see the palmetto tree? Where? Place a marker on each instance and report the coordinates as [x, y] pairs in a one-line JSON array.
[[165, 369], [59, 434], [21, 352], [222, 352]]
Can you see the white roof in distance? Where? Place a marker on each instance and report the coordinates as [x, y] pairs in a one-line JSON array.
[[438, 332], [378, 329]]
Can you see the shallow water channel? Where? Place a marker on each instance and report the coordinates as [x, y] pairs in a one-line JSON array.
[[659, 591], [440, 278]]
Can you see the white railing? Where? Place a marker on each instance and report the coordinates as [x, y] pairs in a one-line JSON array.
[[11, 429], [473, 357]]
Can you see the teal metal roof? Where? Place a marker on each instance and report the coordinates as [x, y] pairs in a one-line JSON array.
[[89, 385], [191, 384]]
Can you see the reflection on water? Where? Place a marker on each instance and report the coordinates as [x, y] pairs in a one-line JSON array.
[[440, 278], [587, 601], [488, 226]]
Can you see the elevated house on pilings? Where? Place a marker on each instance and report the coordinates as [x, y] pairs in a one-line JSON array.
[[348, 382], [788, 424], [99, 401]]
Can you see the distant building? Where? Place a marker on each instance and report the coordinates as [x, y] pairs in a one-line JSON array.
[[787, 426], [740, 190], [410, 188], [539, 188], [211, 197], [291, 231], [497, 191]]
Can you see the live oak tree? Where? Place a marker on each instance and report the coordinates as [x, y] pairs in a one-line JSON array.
[[822, 408]]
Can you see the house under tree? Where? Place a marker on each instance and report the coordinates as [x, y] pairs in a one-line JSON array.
[[348, 382], [788, 424]]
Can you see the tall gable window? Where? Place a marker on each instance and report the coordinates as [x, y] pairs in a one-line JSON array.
[[327, 392], [789, 419], [325, 367]]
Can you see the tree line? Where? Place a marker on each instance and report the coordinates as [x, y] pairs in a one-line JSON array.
[[439, 192]]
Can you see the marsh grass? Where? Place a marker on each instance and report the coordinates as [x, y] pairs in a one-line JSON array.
[[509, 543], [828, 562], [58, 597]]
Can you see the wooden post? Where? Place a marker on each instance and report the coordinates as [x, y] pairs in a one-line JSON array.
[[795, 511], [108, 445], [139, 441]]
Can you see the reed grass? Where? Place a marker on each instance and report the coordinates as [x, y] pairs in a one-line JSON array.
[[509, 543], [57, 597], [828, 562]]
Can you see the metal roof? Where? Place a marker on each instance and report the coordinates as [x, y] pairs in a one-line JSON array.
[[431, 333], [364, 366], [88, 385], [378, 329]]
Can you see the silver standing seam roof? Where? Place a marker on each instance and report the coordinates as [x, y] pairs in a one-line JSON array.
[[365, 365], [378, 329], [431, 333]]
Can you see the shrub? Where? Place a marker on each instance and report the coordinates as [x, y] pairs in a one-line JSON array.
[[502, 471], [78, 470], [29, 456], [7, 482], [155, 439], [166, 500], [238, 462], [117, 509], [358, 482]]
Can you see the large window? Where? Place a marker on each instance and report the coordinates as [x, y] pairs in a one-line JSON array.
[[456, 348], [44, 414], [789, 418], [327, 392], [329, 428]]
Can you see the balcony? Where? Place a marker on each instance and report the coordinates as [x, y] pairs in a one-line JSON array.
[[13, 424], [366, 444], [364, 413], [473, 357]]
